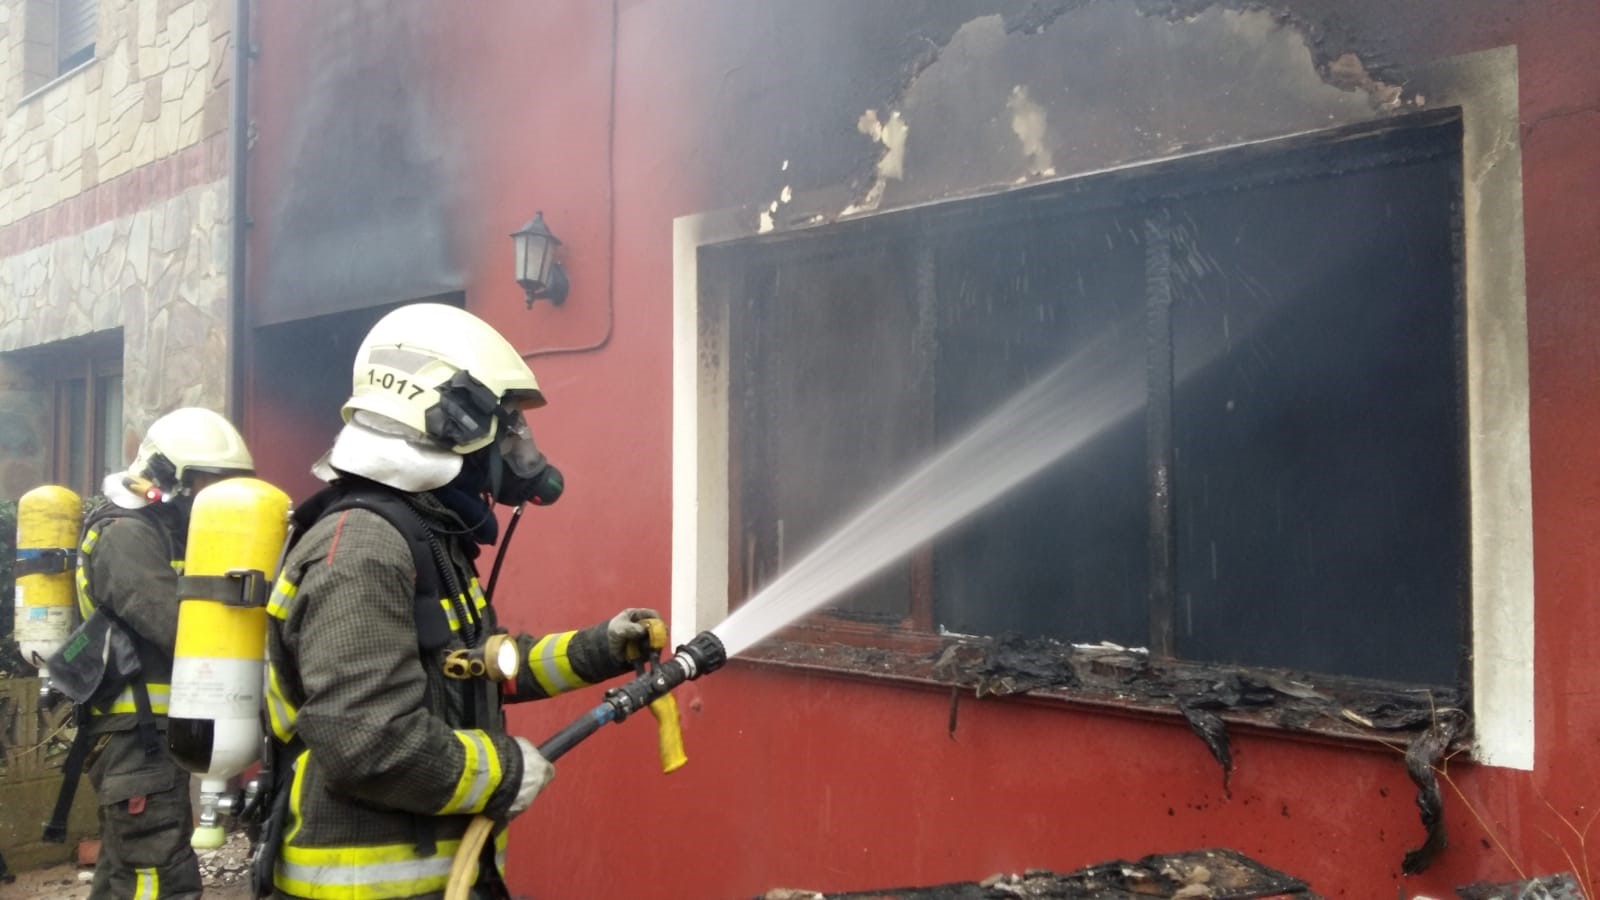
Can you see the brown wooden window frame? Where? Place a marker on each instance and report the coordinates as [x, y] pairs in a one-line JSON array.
[[88, 362]]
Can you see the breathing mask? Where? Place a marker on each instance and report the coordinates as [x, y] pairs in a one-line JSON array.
[[518, 471]]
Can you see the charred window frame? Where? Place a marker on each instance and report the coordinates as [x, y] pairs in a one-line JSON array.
[[899, 261]]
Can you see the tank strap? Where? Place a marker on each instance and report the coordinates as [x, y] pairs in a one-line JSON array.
[[241, 587], [44, 561], [55, 830]]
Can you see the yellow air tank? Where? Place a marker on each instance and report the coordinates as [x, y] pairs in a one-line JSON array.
[[48, 519], [236, 532]]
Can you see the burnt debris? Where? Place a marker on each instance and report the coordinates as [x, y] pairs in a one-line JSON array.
[[1217, 874], [1431, 723], [1550, 887]]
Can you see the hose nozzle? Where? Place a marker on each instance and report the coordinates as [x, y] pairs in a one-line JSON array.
[[703, 653]]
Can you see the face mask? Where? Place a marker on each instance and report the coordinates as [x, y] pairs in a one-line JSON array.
[[518, 472]]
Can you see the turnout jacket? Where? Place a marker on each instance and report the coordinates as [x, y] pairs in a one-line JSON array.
[[390, 758], [129, 561]]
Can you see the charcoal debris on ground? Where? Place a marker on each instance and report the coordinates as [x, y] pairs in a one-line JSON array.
[[1214, 874]]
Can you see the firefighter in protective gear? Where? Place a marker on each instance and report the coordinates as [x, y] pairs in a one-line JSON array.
[[383, 757], [129, 560]]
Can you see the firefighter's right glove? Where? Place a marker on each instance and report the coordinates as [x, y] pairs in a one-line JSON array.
[[627, 630], [536, 773]]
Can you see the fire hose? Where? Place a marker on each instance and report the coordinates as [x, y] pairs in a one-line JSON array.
[[650, 689]]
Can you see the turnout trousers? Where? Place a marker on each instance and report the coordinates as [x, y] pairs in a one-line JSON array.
[[145, 824]]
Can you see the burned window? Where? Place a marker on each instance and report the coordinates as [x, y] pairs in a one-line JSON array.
[[1288, 488]]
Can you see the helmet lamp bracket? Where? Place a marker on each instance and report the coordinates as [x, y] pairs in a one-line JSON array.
[[162, 471], [464, 413]]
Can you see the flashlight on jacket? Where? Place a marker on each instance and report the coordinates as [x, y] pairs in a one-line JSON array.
[[496, 660], [702, 654]]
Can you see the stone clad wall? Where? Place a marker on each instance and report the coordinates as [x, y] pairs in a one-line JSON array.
[[160, 274], [114, 207], [158, 84]]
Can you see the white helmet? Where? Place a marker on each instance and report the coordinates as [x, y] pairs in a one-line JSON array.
[[186, 441], [440, 371]]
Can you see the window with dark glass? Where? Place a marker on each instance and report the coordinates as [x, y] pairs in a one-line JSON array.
[[58, 36], [80, 381], [76, 21], [1290, 493]]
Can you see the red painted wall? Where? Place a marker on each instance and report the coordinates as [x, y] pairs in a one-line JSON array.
[[832, 783]]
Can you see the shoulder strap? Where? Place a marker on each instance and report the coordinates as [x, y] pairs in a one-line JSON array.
[[151, 516], [433, 627]]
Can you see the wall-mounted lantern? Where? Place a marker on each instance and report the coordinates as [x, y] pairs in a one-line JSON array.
[[536, 267]]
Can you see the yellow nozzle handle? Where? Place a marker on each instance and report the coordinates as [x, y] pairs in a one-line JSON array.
[[669, 734], [657, 630]]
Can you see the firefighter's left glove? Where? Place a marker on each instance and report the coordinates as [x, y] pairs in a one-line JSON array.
[[536, 773], [627, 630]]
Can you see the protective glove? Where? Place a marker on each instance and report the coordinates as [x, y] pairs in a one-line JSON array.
[[625, 630], [536, 773]]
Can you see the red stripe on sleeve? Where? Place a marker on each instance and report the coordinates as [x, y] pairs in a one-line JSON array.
[[337, 530]]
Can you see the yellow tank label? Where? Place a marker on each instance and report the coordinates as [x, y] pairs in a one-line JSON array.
[[208, 628]]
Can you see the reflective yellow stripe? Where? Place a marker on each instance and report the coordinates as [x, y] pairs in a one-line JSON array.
[[146, 884], [160, 696], [473, 598], [86, 605], [283, 590], [280, 711], [480, 774], [363, 873], [177, 566], [550, 666], [296, 788]]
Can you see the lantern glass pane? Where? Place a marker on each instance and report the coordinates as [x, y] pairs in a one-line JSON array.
[[539, 259], [520, 242]]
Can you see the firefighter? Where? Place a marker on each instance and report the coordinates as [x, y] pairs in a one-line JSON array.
[[129, 561], [382, 751]]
